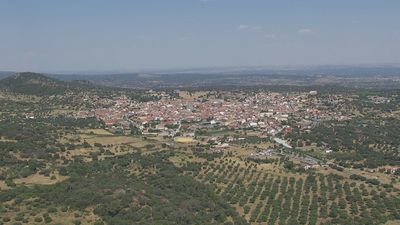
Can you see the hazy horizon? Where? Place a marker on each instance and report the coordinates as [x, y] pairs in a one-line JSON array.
[[131, 36]]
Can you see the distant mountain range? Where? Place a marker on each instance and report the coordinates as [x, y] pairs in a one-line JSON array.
[[377, 76], [4, 74]]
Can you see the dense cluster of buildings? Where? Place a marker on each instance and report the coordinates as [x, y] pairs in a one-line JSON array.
[[266, 112]]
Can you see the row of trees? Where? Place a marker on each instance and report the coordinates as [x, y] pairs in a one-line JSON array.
[[368, 141], [267, 198]]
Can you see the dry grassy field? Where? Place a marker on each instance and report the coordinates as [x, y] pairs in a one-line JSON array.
[[41, 179]]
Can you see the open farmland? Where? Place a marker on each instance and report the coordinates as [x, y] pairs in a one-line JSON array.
[[103, 157], [264, 197]]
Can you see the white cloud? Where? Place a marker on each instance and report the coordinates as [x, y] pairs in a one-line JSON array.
[[270, 36], [248, 27], [305, 31], [243, 27]]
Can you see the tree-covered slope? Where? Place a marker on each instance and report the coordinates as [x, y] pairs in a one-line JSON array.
[[159, 194], [33, 84]]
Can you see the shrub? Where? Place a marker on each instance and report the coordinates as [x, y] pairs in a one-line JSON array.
[[38, 219]]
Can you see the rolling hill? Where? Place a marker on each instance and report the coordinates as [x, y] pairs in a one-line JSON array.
[[38, 84]]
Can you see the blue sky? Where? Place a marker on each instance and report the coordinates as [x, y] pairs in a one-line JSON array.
[[131, 35]]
